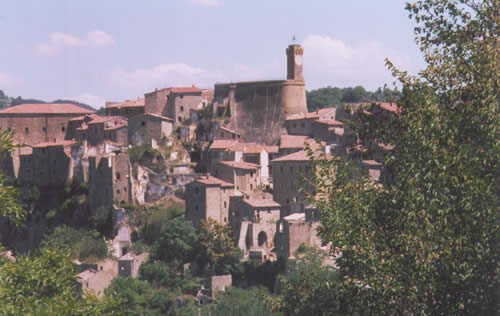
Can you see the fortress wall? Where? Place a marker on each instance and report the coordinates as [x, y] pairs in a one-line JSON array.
[[258, 109]]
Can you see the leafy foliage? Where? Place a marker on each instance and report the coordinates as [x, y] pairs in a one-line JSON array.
[[308, 288], [426, 243], [82, 244], [217, 254], [177, 243], [333, 96], [241, 302], [45, 285]]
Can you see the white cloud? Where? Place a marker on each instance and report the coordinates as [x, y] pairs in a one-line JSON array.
[[93, 100], [7, 80], [205, 3], [329, 61], [57, 41], [180, 74]]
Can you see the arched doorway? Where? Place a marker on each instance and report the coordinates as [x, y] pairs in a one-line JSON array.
[[262, 238]]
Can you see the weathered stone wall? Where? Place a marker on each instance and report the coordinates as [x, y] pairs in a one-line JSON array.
[[156, 101], [34, 129], [143, 128], [258, 109], [287, 182], [179, 106], [196, 203], [49, 165]]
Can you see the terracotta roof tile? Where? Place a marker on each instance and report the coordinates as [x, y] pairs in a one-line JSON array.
[[225, 144], [296, 156], [209, 180], [273, 149], [45, 108], [262, 203], [293, 141], [240, 165], [302, 116], [185, 90], [127, 103]]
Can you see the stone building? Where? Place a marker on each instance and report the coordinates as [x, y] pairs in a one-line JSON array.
[[226, 133], [220, 150], [294, 230], [112, 128], [47, 164], [208, 197], [293, 143], [291, 174], [75, 131], [255, 224], [175, 103], [36, 123], [258, 109], [109, 179], [244, 175], [128, 108], [149, 127]]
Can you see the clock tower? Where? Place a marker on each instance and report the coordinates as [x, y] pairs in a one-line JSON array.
[[294, 54]]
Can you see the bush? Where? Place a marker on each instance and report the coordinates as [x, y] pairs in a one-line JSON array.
[[82, 244]]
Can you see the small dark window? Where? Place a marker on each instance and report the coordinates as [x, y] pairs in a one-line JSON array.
[[63, 129], [143, 123], [27, 130], [225, 204], [180, 119], [182, 108], [44, 129], [117, 176]]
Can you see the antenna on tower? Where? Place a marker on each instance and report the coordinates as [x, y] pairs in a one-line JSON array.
[[294, 39]]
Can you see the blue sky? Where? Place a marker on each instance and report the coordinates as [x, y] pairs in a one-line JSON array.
[[94, 51]]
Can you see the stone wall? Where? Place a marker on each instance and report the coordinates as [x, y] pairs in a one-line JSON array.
[[258, 109], [34, 129]]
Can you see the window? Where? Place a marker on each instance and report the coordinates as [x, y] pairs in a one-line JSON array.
[[117, 176], [182, 108], [63, 129], [143, 123], [225, 204], [179, 119], [251, 186], [26, 130], [44, 129]]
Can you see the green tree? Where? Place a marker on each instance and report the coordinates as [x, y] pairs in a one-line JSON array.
[[426, 243], [307, 287], [177, 243], [241, 302], [45, 285], [217, 254]]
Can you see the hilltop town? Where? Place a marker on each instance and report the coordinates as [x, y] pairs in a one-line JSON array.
[[240, 154]]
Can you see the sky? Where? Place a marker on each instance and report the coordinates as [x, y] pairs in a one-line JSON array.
[[105, 50]]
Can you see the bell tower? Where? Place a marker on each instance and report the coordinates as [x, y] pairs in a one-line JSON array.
[[294, 54]]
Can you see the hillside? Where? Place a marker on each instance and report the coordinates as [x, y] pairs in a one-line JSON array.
[[6, 101]]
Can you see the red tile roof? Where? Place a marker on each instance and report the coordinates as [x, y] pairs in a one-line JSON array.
[[81, 118], [389, 106], [209, 180], [293, 141], [273, 149], [296, 156], [262, 203], [240, 165], [225, 144], [248, 148], [46, 108], [125, 104], [185, 90]]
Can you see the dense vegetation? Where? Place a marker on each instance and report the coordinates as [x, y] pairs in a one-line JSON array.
[[333, 96], [426, 243]]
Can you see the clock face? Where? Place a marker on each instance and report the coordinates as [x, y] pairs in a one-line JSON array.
[[298, 60]]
